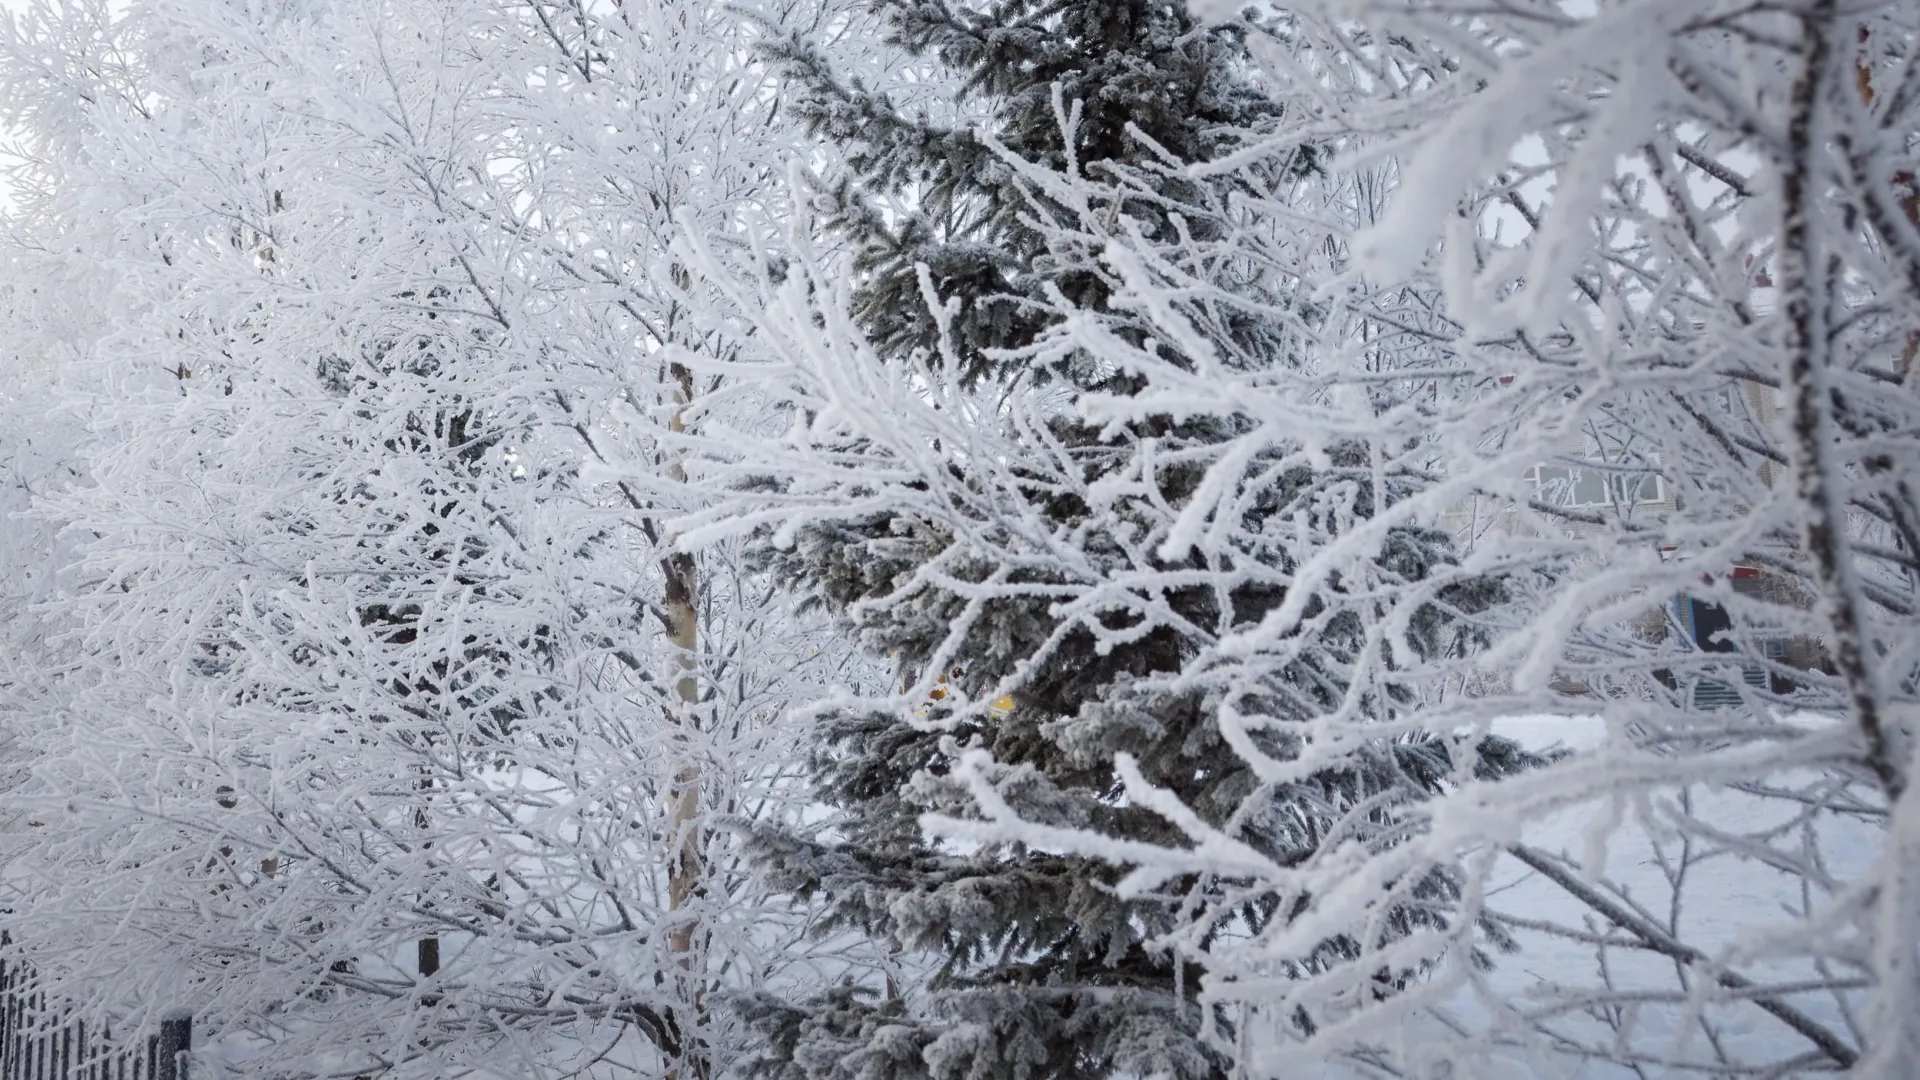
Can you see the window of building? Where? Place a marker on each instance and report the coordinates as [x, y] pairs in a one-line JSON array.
[[1572, 485]]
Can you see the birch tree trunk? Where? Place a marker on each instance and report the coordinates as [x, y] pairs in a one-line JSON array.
[[683, 630]]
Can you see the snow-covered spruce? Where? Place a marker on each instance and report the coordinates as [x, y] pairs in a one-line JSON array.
[[988, 482]]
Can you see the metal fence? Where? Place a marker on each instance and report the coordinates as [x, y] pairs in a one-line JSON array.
[[41, 1039]]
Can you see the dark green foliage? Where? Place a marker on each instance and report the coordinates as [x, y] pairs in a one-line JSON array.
[[1029, 945], [1118, 69], [1039, 968], [993, 1031]]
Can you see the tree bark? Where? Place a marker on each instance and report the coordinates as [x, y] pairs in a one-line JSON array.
[[685, 870]]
